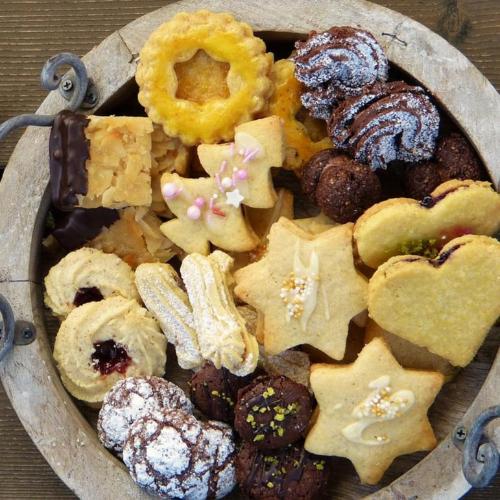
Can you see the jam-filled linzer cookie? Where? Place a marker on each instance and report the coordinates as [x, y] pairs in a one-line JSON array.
[[132, 398], [405, 226], [201, 74], [100, 161], [102, 342], [272, 412], [289, 473], [307, 288], [87, 275], [372, 411], [447, 304]]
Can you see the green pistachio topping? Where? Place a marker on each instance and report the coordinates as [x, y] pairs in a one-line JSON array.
[[259, 437], [425, 247]]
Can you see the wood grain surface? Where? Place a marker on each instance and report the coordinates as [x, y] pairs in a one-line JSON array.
[[33, 30]]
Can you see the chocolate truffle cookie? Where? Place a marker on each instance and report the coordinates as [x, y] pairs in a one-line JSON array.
[[421, 179], [289, 473], [215, 391], [171, 454], [132, 398], [272, 412], [340, 186]]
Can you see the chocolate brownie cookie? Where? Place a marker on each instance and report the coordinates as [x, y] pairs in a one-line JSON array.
[[272, 412]]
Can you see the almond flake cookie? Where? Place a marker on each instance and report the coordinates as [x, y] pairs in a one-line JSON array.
[[372, 411], [173, 455], [132, 398], [447, 304], [405, 226], [306, 287], [87, 275], [102, 342]]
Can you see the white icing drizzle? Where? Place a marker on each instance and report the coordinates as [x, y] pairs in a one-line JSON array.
[[380, 406]]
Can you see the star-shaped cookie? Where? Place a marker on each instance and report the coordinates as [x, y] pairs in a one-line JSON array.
[[372, 411], [204, 215], [246, 163], [306, 287]]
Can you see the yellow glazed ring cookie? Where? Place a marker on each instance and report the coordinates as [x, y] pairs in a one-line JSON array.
[[201, 74], [102, 342], [304, 137], [87, 275]]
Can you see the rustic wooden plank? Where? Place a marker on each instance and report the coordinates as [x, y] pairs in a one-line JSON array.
[[89, 21]]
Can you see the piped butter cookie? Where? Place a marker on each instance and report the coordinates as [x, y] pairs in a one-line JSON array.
[[306, 287], [447, 304], [102, 342], [405, 226], [87, 275], [372, 411]]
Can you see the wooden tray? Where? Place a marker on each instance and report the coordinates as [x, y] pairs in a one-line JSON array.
[[54, 422]]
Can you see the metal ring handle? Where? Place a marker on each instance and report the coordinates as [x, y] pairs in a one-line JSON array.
[[480, 462], [51, 81], [8, 331]]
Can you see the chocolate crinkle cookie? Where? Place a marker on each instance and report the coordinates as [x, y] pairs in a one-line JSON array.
[[286, 474], [173, 455], [272, 412], [336, 64], [340, 186], [132, 398], [214, 391]]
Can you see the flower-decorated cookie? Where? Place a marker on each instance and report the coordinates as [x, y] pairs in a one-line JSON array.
[[222, 333], [160, 289], [307, 288], [405, 226], [203, 73], [446, 304], [372, 411], [245, 164], [102, 342], [87, 275], [205, 213]]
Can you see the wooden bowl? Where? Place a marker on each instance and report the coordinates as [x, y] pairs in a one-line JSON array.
[[54, 422]]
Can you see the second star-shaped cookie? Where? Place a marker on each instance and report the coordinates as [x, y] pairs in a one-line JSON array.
[[372, 411], [306, 287]]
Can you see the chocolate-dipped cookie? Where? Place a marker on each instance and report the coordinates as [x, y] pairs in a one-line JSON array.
[[214, 391], [288, 473], [340, 186], [272, 412]]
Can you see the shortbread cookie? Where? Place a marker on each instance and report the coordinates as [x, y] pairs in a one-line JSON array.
[[159, 286], [372, 411], [87, 275], [307, 288], [222, 333], [102, 342], [446, 304], [406, 226], [409, 355], [131, 399], [315, 225], [244, 166], [203, 73], [100, 161], [205, 214], [136, 238]]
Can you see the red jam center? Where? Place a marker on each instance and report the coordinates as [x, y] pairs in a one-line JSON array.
[[109, 357], [85, 295], [454, 232]]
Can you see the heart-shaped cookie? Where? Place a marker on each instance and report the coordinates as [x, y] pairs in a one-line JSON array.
[[446, 304], [405, 226]]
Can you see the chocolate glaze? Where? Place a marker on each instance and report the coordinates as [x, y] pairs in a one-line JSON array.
[[74, 229], [68, 153]]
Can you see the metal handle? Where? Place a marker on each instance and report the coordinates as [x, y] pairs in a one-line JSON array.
[[13, 332], [480, 455], [78, 91]]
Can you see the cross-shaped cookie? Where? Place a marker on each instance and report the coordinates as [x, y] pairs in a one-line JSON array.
[[306, 287], [372, 411]]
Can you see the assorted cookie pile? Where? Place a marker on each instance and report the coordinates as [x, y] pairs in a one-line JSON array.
[[175, 228]]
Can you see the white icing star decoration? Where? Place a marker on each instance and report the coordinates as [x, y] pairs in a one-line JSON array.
[[234, 198]]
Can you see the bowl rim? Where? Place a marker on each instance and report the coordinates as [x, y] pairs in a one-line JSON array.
[[29, 376]]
